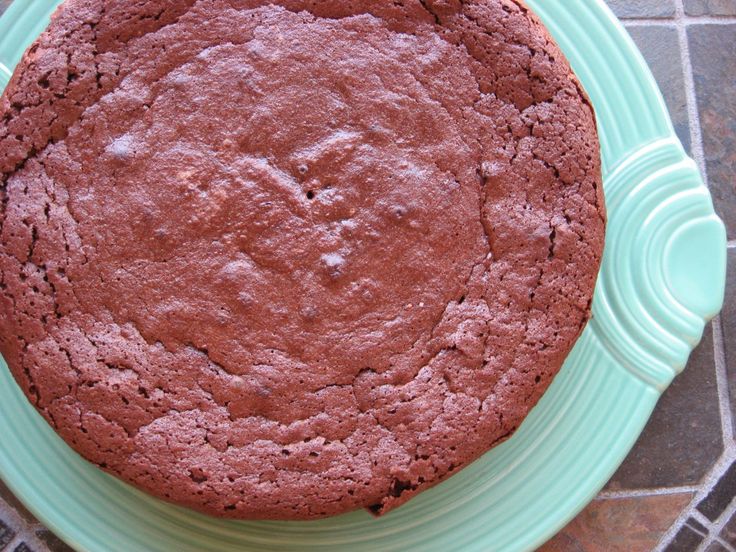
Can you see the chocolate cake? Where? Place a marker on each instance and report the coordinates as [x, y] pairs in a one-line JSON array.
[[288, 259]]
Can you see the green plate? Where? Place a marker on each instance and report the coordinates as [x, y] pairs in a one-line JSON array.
[[663, 276]]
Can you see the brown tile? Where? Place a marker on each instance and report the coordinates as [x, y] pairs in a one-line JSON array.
[[682, 440], [620, 524], [713, 54], [661, 48], [728, 533], [710, 7], [720, 496], [54, 543], [642, 8], [728, 322], [16, 504], [686, 540]]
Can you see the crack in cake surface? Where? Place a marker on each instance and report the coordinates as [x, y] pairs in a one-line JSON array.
[[194, 397]]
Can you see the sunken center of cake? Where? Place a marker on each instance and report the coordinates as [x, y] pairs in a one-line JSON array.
[[305, 195]]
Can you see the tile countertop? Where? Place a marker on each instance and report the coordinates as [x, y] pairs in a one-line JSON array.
[[677, 489]]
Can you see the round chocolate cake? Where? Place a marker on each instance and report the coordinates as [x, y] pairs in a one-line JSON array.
[[288, 259]]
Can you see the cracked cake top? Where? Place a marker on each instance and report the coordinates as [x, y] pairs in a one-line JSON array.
[[288, 259]]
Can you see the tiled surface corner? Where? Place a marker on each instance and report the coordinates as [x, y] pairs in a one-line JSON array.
[[620, 524], [676, 491]]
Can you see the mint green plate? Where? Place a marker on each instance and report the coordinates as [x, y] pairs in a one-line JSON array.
[[663, 276]]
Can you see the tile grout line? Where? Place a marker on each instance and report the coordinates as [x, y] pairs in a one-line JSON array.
[[672, 22], [725, 516], [696, 133], [732, 244], [696, 139], [17, 541], [708, 482], [700, 518], [724, 401], [641, 22], [717, 526], [634, 493], [724, 462], [724, 544], [708, 19]]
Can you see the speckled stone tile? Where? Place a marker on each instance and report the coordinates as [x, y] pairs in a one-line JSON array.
[[661, 48], [4, 5], [728, 533], [720, 496], [620, 524], [728, 321], [710, 7], [682, 440], [713, 54], [642, 8], [686, 540]]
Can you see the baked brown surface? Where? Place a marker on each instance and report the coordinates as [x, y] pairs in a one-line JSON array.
[[288, 261]]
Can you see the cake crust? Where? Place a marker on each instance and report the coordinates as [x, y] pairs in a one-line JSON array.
[[283, 260]]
